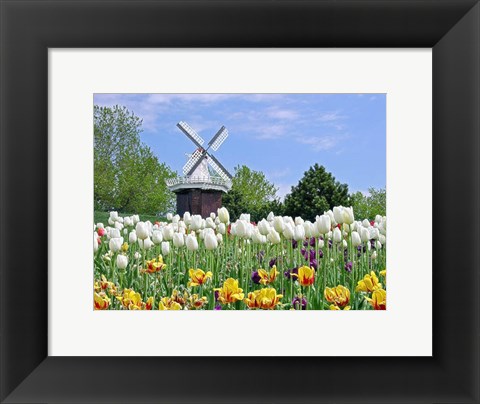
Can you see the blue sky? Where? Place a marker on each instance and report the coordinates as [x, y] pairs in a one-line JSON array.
[[279, 134]]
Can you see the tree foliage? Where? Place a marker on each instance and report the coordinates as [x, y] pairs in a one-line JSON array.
[[368, 206], [252, 193], [316, 192], [127, 175]]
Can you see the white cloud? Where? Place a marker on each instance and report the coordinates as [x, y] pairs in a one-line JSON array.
[[283, 190], [319, 143], [277, 113]]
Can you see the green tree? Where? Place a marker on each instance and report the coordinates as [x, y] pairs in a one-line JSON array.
[[316, 192], [368, 206], [127, 175], [251, 192]]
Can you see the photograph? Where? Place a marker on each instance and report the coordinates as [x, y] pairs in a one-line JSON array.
[[239, 201]]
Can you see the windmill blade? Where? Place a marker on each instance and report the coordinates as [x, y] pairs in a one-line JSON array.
[[191, 134], [197, 162], [193, 161], [219, 169], [219, 138]]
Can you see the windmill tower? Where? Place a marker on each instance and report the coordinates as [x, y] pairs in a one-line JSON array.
[[200, 190]]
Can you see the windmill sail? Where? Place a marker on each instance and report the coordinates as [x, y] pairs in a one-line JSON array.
[[191, 134], [219, 169], [219, 138], [193, 162]]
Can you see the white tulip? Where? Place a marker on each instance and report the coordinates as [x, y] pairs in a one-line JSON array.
[[157, 237], [373, 233], [263, 227], [196, 222], [278, 224], [217, 221], [241, 228], [145, 244], [298, 220], [118, 225], [120, 219], [258, 238], [299, 233], [187, 218], [211, 242], [223, 215], [114, 233], [191, 242], [114, 216], [378, 218], [222, 228], [366, 223], [374, 255], [309, 228], [169, 217], [95, 241], [137, 255], [135, 219], [378, 245], [132, 237], [142, 230], [382, 239], [270, 216], [337, 235], [168, 232], [128, 221], [178, 240], [338, 214], [245, 216], [273, 237], [321, 243], [356, 240], [115, 244], [182, 230], [219, 238], [210, 223], [345, 244], [165, 248], [111, 222], [233, 229], [100, 226], [288, 231], [323, 224], [364, 234], [176, 219], [213, 216], [348, 216], [122, 261], [125, 231]]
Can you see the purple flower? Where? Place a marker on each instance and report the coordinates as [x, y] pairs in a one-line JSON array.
[[288, 273], [314, 264], [294, 243], [256, 277], [348, 266], [218, 307], [297, 301], [261, 256], [320, 253], [216, 295], [304, 253], [273, 262], [330, 243]]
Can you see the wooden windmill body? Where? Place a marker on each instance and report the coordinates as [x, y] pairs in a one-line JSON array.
[[198, 191]]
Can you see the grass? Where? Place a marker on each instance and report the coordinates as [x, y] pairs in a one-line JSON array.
[[102, 217]]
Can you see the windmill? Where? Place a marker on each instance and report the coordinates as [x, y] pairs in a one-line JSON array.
[[204, 179]]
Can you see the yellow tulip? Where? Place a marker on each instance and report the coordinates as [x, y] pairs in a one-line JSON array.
[[149, 303], [378, 300], [198, 277], [131, 300], [369, 283], [306, 276], [265, 277], [124, 247], [168, 303], [339, 296], [229, 292], [101, 301], [155, 265], [265, 299], [333, 307], [195, 302]]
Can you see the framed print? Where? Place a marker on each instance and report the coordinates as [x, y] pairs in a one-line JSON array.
[[55, 348]]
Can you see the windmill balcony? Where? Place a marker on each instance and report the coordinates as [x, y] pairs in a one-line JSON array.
[[206, 183]]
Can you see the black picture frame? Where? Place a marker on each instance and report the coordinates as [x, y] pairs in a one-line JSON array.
[[450, 28]]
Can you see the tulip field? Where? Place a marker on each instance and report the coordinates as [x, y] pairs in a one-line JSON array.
[[280, 263]]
